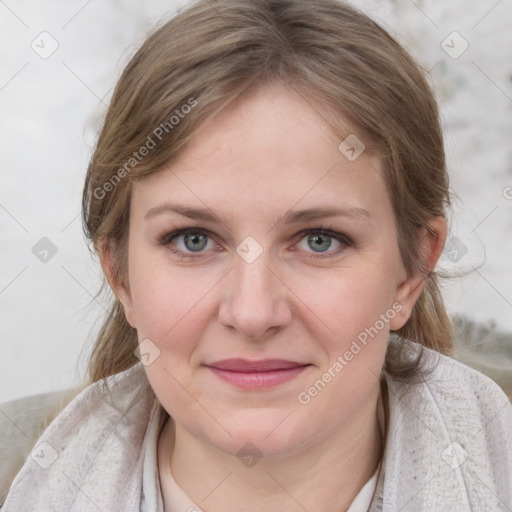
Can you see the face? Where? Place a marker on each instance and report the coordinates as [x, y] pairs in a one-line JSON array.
[[221, 265]]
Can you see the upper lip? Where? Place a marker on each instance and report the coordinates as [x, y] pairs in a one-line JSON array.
[[246, 365]]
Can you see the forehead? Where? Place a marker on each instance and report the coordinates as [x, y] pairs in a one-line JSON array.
[[272, 150]]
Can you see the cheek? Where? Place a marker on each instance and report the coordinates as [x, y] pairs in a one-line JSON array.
[[169, 302], [351, 319], [174, 305], [172, 310], [352, 314], [348, 301]]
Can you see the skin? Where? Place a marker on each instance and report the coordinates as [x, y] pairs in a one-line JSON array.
[[265, 155]]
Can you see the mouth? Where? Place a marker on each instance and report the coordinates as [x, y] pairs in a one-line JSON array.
[[263, 374]]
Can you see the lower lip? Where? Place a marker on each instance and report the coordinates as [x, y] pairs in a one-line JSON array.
[[258, 380]]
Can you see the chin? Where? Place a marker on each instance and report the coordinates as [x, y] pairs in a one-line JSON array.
[[271, 437]]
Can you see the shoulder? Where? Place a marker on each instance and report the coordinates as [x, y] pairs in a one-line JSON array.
[[466, 393], [99, 434], [452, 388], [454, 379], [447, 435], [21, 422]]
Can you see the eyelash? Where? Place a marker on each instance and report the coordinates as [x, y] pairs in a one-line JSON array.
[[166, 239]]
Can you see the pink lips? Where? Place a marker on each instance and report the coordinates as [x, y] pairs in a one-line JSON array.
[[256, 374]]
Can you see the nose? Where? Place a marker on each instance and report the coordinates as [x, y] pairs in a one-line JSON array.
[[255, 299]]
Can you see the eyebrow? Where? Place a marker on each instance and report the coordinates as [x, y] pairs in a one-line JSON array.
[[290, 217]]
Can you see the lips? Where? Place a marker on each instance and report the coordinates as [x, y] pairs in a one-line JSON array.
[[248, 366], [256, 375]]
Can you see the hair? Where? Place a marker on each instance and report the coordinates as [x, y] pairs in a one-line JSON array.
[[213, 53]]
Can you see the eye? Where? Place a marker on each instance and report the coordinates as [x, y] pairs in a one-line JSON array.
[[320, 241], [188, 241], [192, 242]]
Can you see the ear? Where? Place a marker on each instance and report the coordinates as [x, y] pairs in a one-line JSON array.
[[409, 289], [121, 290]]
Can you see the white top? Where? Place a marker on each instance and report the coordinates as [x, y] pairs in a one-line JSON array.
[[178, 501]]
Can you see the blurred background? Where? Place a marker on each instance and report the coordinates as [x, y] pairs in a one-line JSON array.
[[60, 62]]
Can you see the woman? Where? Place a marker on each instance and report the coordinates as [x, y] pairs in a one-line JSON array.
[[267, 198]]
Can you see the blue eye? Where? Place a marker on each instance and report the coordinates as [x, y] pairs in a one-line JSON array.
[[195, 241], [191, 242], [319, 242]]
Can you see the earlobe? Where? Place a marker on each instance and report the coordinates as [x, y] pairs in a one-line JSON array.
[[410, 288], [120, 290]]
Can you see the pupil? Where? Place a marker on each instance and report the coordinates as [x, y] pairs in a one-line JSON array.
[[195, 238], [316, 238]]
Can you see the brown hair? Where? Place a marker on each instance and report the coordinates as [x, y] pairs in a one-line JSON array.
[[212, 53]]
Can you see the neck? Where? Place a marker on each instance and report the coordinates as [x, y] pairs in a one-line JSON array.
[[325, 477]]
